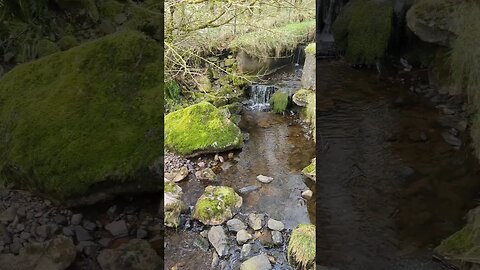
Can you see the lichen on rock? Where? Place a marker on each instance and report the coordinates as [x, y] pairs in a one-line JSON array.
[[216, 205], [200, 128]]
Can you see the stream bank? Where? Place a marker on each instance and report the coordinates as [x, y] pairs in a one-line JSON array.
[[397, 174]]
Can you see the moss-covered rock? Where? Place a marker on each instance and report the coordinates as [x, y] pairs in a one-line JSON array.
[[363, 30], [172, 204], [200, 128], [310, 171], [301, 247], [73, 122], [279, 102], [216, 205], [46, 47], [67, 42], [307, 98]]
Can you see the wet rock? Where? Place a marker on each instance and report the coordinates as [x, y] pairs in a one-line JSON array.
[[235, 225], [255, 221], [201, 243], [117, 228], [177, 175], [8, 214], [264, 179], [135, 255], [81, 234], [451, 139], [243, 236], [223, 199], [205, 175], [76, 219], [246, 190], [307, 194], [275, 225], [259, 262], [56, 254], [172, 204], [277, 238], [218, 239], [246, 251]]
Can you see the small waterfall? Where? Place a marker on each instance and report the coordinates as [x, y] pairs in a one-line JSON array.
[[300, 55], [260, 95]]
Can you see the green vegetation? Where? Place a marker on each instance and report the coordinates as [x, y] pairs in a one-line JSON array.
[[301, 247], [311, 170], [67, 42], [279, 102], [311, 48], [275, 42], [216, 204], [46, 47], [200, 128], [363, 30], [459, 243], [88, 115]]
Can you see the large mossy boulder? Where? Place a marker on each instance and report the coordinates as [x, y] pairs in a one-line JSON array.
[[301, 247], [433, 21], [199, 129], [462, 248], [216, 205], [363, 29], [87, 120]]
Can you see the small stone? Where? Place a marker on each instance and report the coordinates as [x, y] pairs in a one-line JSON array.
[[230, 155], [259, 262], [15, 247], [67, 231], [216, 157], [105, 242], [247, 189], [204, 233], [255, 221], [76, 219], [89, 226], [264, 179], [307, 194], [201, 164], [246, 250], [201, 243], [60, 219], [235, 225], [218, 239], [243, 236], [177, 175], [117, 228], [82, 234], [275, 225], [25, 235], [277, 237], [220, 158], [112, 210]]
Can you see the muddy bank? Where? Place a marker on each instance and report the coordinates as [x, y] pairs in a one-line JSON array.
[[390, 186]]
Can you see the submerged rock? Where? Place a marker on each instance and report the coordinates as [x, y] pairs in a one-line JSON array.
[[264, 179], [56, 254], [259, 262], [135, 255], [301, 247], [200, 129], [216, 205], [96, 125], [248, 189]]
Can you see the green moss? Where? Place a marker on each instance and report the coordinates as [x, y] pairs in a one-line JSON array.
[[216, 205], [311, 48], [200, 128], [76, 118], [172, 90], [46, 47], [363, 30], [457, 244], [301, 247], [67, 42], [279, 102], [275, 42], [168, 186]]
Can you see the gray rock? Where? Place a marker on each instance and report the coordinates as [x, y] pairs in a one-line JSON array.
[[218, 239], [81, 234], [246, 251], [277, 238], [248, 189], [117, 228], [264, 179], [235, 225], [76, 219], [243, 236], [201, 243], [89, 226], [259, 262], [255, 221], [135, 255], [275, 225], [56, 254]]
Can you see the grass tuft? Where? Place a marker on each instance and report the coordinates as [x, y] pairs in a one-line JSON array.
[[279, 102], [301, 247]]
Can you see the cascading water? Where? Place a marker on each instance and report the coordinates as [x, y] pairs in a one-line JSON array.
[[260, 95]]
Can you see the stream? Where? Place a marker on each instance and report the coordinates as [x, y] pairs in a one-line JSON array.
[[389, 186], [277, 147]]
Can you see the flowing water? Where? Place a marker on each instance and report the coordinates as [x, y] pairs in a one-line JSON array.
[[384, 197], [277, 147]]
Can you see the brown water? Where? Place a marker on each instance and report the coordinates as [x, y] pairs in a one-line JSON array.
[[278, 147], [384, 198]]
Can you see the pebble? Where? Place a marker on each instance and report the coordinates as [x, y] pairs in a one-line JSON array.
[[246, 190], [307, 194], [275, 225], [264, 179], [89, 226], [235, 225], [243, 236], [117, 228], [67, 231], [255, 221], [277, 237], [76, 219], [246, 250], [82, 234]]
